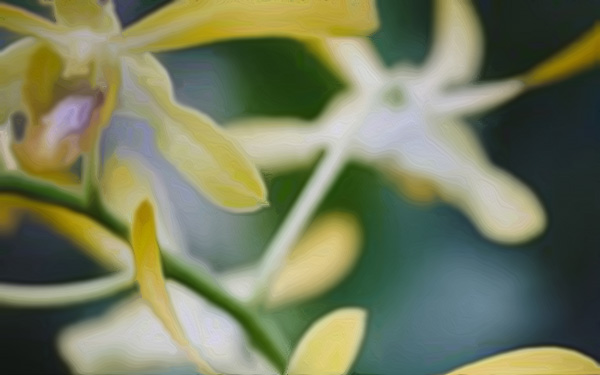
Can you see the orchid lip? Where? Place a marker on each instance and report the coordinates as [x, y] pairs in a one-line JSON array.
[[72, 115]]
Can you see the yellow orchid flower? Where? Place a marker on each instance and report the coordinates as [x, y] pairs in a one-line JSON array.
[[408, 122], [68, 76], [106, 248]]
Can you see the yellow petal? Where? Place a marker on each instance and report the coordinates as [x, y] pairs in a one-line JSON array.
[[152, 282], [331, 345], [84, 232], [87, 235], [321, 259], [23, 22], [14, 61], [420, 190], [93, 14], [582, 54], [190, 140], [189, 23], [39, 95], [43, 72], [533, 361]]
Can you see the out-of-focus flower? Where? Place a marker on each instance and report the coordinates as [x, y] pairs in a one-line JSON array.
[[129, 339], [132, 338], [408, 122], [533, 361], [69, 76], [325, 254]]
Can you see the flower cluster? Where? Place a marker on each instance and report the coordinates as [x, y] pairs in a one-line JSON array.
[[65, 80]]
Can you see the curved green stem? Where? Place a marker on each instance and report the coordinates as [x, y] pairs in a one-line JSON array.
[[193, 277]]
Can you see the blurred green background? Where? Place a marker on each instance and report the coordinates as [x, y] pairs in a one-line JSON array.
[[439, 294]]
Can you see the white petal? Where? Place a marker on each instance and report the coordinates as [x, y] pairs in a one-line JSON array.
[[475, 99], [130, 339], [449, 155], [278, 144], [457, 45], [357, 60]]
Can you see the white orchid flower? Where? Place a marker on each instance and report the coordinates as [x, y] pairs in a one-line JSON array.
[[409, 122]]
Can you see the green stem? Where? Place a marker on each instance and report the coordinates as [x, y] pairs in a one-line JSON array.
[[188, 275], [193, 277]]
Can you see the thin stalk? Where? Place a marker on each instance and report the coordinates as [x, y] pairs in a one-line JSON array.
[[187, 274], [295, 223]]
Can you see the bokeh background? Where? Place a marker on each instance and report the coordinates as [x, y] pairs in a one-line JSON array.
[[439, 294]]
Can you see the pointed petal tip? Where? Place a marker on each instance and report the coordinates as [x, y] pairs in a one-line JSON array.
[[331, 344]]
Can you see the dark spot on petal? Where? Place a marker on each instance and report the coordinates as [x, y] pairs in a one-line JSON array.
[[18, 124]]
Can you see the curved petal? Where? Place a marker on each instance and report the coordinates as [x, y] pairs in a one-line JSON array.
[[86, 234], [189, 23], [190, 140], [449, 156], [325, 254], [457, 44], [39, 152], [330, 345], [130, 339], [533, 361], [14, 61], [23, 22], [152, 282], [580, 55], [278, 144]]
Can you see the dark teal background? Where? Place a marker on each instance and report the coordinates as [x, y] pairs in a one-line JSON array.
[[439, 294]]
